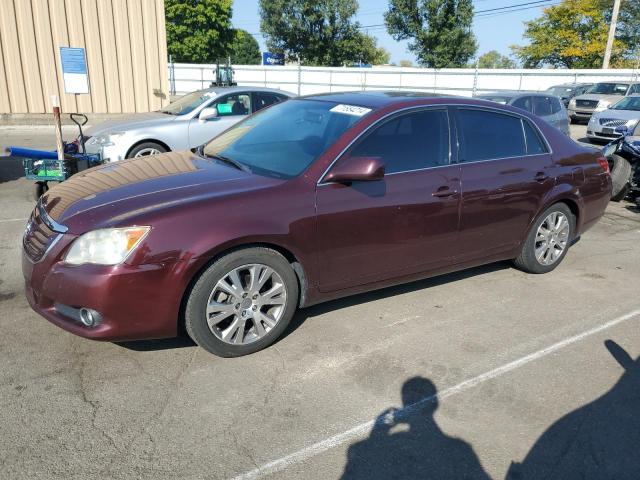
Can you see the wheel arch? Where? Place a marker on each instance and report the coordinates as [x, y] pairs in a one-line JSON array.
[[147, 140], [296, 265]]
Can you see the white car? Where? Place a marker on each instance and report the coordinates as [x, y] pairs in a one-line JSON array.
[[189, 122], [616, 120]]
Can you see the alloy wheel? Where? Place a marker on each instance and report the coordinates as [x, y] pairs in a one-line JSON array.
[[145, 152], [552, 238], [246, 304]]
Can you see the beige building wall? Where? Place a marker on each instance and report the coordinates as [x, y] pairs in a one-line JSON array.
[[125, 44]]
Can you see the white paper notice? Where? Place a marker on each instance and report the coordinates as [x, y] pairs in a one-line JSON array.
[[351, 110]]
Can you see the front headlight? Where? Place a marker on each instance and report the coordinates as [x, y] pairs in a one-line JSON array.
[[106, 140], [108, 246], [572, 103], [602, 105]]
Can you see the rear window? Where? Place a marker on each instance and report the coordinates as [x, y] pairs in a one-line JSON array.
[[490, 135], [556, 106]]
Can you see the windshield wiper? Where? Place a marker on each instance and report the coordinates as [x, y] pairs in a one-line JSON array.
[[167, 112], [223, 159]]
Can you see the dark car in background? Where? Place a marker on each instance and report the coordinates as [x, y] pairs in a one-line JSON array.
[[308, 200], [567, 91], [545, 106]]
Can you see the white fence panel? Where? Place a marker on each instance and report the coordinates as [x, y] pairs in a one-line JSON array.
[[464, 81]]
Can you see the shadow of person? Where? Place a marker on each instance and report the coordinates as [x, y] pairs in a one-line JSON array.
[[600, 440], [408, 444]]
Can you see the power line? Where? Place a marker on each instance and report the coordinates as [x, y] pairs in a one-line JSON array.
[[510, 6], [496, 14]]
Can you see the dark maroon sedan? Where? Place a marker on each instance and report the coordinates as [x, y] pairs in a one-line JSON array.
[[309, 200]]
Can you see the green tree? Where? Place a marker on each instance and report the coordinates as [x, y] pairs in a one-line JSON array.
[[493, 59], [319, 33], [406, 63], [440, 30], [198, 31], [244, 49], [572, 34], [628, 31]]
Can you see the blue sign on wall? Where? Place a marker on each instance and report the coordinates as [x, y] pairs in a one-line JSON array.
[[74, 70], [269, 58]]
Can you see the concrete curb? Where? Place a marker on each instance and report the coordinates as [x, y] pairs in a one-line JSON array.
[[33, 119]]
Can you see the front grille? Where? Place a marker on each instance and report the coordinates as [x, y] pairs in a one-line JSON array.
[[612, 122], [38, 237], [587, 103]]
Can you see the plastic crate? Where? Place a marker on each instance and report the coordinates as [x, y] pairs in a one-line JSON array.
[[43, 170]]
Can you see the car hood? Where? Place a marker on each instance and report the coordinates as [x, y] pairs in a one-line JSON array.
[[599, 96], [130, 122], [117, 193], [619, 114]]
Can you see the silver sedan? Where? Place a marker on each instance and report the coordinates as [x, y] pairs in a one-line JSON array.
[[190, 121], [616, 120]]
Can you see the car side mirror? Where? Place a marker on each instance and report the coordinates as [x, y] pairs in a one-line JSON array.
[[356, 169], [208, 113]]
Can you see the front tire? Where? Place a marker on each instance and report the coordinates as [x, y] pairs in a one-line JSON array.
[[146, 149], [242, 303], [548, 240]]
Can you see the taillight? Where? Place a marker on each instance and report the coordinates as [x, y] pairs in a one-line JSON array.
[[604, 164]]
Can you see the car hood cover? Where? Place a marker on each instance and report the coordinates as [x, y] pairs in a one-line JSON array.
[[109, 194]]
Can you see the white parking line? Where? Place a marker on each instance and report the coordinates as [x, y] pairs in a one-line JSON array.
[[5, 220], [361, 430]]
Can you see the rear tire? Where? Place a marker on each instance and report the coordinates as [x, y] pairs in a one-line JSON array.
[[248, 318], [620, 176], [537, 240]]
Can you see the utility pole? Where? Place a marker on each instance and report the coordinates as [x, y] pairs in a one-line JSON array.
[[612, 33]]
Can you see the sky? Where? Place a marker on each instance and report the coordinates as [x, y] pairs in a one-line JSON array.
[[494, 30]]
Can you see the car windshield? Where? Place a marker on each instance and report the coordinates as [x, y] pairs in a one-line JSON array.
[[609, 88], [283, 140], [560, 91], [628, 103], [495, 98], [188, 103]]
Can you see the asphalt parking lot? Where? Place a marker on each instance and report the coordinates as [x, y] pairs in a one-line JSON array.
[[453, 377]]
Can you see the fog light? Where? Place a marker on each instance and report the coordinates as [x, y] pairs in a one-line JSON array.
[[89, 317]]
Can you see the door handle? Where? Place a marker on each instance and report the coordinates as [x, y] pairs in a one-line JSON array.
[[444, 193], [541, 177]]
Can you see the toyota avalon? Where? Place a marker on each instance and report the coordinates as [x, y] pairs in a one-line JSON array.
[[308, 200]]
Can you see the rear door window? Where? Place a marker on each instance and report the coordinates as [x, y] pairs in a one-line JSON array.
[[408, 142], [263, 100], [487, 135], [535, 145]]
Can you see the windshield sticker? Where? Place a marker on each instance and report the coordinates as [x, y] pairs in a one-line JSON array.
[[351, 110]]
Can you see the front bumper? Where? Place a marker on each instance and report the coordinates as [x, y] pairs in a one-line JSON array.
[[580, 113], [109, 153], [135, 302]]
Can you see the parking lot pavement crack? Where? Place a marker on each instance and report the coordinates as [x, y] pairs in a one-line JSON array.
[[243, 450], [79, 368], [172, 388]]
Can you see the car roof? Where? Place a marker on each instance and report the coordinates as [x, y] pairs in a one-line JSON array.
[[374, 98], [237, 88], [571, 84], [514, 94]]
